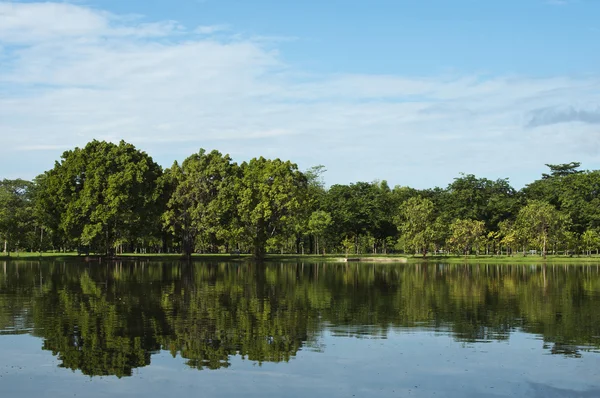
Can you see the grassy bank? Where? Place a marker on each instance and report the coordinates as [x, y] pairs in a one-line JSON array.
[[197, 257], [516, 259], [291, 258]]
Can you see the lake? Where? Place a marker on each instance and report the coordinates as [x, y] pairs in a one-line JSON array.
[[156, 329]]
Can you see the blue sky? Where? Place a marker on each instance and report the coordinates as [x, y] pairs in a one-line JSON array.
[[409, 91], [411, 37]]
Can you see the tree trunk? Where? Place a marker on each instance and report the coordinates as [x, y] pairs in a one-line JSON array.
[[5, 244], [544, 249], [259, 243]]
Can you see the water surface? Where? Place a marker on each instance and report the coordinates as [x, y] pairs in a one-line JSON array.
[[296, 330]]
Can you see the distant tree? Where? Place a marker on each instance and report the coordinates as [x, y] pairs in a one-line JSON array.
[[416, 223], [16, 212], [317, 224], [361, 209], [508, 236], [465, 234], [541, 222], [469, 197], [562, 170], [591, 241]]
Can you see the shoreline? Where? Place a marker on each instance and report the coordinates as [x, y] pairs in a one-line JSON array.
[[332, 258]]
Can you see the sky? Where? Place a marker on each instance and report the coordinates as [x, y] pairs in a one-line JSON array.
[[414, 92]]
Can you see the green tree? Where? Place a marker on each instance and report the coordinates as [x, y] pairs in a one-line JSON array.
[[102, 195], [416, 223], [541, 222], [469, 197], [573, 192], [465, 234], [318, 222], [16, 213], [591, 241], [562, 170], [361, 209], [201, 210], [271, 196]]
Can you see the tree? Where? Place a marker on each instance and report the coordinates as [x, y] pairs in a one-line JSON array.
[[316, 185], [469, 197], [360, 209], [579, 197], [465, 234], [102, 195], [591, 241], [16, 212], [562, 170], [541, 222], [271, 195], [509, 236], [201, 209], [575, 193], [317, 223], [415, 223]]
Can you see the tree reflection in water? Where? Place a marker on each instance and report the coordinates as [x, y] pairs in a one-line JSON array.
[[107, 319]]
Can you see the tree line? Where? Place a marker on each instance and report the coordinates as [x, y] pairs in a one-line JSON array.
[[113, 198]]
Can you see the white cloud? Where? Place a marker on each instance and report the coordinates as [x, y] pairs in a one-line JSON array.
[[210, 29], [70, 73]]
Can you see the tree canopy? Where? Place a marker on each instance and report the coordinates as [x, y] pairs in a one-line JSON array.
[[108, 198]]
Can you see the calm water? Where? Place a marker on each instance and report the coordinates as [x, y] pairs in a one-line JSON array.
[[298, 330]]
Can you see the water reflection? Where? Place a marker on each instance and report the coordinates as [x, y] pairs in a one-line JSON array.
[[108, 319]]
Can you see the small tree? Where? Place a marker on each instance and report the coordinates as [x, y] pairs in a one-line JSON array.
[[317, 224], [591, 241], [348, 244]]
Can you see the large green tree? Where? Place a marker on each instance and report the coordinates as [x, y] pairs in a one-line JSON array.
[[271, 196], [201, 210], [102, 195], [361, 210]]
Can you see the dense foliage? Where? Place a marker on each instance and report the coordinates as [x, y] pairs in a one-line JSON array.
[[108, 198]]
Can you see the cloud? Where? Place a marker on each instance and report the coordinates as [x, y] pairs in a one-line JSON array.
[[49, 147], [559, 2], [210, 29], [70, 73], [549, 116], [26, 23]]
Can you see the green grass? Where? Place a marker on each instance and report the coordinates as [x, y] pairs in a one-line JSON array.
[[32, 255], [516, 259], [472, 259]]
